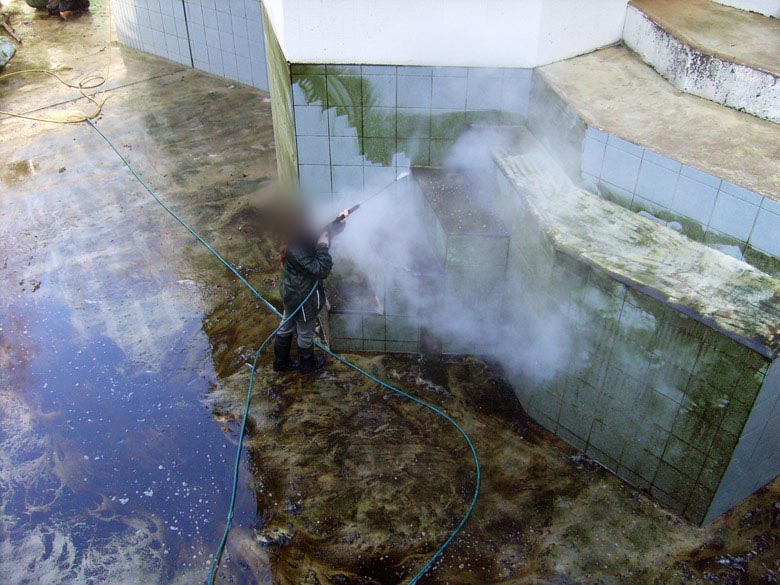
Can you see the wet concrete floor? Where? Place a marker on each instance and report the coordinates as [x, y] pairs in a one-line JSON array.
[[122, 352]]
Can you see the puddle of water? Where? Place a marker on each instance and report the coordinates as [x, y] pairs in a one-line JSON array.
[[114, 457]]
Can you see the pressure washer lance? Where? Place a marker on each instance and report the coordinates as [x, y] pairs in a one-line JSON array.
[[335, 227]]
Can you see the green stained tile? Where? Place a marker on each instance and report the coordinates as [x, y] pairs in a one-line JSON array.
[[673, 482], [379, 122], [483, 117], [414, 123], [344, 90], [764, 262], [418, 150], [684, 458], [447, 125], [719, 368], [314, 88], [636, 458], [374, 327], [343, 70], [440, 149], [374, 345], [699, 504], [734, 418], [712, 473], [379, 150], [306, 69]]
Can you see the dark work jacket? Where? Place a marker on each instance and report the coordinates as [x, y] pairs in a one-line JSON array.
[[305, 263]]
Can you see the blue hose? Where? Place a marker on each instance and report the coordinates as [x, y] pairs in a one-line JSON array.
[[256, 293]]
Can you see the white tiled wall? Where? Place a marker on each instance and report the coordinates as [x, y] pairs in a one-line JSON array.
[[223, 37]]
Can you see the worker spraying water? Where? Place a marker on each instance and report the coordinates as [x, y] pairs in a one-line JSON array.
[[306, 262]]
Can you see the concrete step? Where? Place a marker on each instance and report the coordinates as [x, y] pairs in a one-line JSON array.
[[765, 7], [713, 51], [654, 148]]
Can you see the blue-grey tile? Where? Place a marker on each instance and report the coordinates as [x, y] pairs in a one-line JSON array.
[[741, 193], [700, 176], [486, 72], [518, 73], [694, 199], [621, 196], [771, 206], [310, 121], [596, 134], [341, 125], [413, 123], [450, 71], [347, 179], [313, 150], [379, 70], [592, 156], [344, 90], [620, 168], [589, 182], [299, 95], [662, 161], [414, 92], [640, 203], [484, 93], [656, 184], [379, 91], [415, 71], [345, 150], [515, 95], [766, 233], [625, 145], [375, 178], [343, 69], [733, 216], [449, 92], [314, 178]]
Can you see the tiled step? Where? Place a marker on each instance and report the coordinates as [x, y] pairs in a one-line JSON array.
[[713, 51], [765, 7], [656, 149]]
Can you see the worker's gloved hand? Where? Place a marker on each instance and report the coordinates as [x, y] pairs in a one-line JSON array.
[[324, 239], [344, 215]]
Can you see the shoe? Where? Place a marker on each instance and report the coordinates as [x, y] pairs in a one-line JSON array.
[[282, 361], [309, 361]]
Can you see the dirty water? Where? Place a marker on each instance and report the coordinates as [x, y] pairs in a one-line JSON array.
[[123, 350]]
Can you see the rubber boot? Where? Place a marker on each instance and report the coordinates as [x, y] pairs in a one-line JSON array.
[[309, 361], [282, 361]]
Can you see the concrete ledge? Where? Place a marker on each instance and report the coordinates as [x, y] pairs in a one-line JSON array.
[[765, 7], [717, 53]]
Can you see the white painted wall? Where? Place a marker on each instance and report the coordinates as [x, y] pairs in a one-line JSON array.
[[765, 7], [478, 33]]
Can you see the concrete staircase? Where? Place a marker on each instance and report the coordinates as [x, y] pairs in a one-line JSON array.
[[704, 166], [723, 54]]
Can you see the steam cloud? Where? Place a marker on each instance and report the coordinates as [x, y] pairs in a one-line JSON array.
[[528, 334]]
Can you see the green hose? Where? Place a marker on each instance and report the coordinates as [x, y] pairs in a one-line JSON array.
[[450, 420]]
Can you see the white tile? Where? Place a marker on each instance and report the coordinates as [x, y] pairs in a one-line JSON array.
[[625, 145], [701, 176], [313, 150]]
